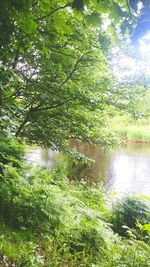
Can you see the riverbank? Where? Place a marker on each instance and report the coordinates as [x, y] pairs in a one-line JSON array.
[[77, 233], [47, 220], [134, 133], [130, 129], [75, 230]]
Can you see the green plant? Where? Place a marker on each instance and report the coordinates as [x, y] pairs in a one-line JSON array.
[[11, 152], [47, 220], [18, 249], [127, 212]]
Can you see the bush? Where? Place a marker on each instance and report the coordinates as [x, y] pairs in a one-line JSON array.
[[11, 152], [38, 204], [128, 212]]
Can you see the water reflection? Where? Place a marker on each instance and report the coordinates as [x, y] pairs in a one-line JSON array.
[[129, 172], [94, 173], [38, 156], [125, 170]]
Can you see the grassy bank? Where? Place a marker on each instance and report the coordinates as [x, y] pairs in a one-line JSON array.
[[47, 220], [68, 224], [130, 129], [134, 133], [86, 232]]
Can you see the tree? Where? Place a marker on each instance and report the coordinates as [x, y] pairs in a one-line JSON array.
[[55, 80], [132, 16], [54, 74]]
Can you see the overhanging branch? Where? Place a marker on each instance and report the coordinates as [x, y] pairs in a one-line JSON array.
[[74, 68], [53, 11]]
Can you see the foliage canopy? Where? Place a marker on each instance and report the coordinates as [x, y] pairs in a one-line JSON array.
[[53, 73], [55, 81]]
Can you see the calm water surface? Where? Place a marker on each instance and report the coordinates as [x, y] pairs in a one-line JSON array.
[[125, 170]]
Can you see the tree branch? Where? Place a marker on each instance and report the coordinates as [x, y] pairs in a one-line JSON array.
[[14, 64], [23, 124], [62, 53], [74, 69], [53, 11], [128, 7], [37, 109]]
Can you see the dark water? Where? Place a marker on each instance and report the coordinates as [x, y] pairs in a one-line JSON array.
[[125, 170]]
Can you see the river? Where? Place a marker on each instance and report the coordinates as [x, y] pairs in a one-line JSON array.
[[124, 170]]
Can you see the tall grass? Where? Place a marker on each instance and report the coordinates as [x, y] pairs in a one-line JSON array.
[[134, 133], [132, 130]]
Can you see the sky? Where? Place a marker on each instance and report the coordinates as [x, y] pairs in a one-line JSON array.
[[132, 63]]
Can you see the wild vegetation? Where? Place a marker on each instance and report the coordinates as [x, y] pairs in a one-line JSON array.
[[47, 220], [57, 85], [135, 125]]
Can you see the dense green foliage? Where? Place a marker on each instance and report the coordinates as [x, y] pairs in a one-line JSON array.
[[54, 78], [55, 86], [47, 220], [55, 81], [128, 212], [11, 152]]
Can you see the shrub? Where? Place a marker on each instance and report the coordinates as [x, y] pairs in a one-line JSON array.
[[11, 152], [128, 212], [38, 205]]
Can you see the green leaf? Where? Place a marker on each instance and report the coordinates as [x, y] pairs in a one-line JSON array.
[[27, 22], [78, 4], [116, 13], [94, 19], [45, 5], [146, 227]]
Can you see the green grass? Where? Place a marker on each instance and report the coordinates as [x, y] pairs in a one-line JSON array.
[[52, 252], [134, 133], [131, 130]]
